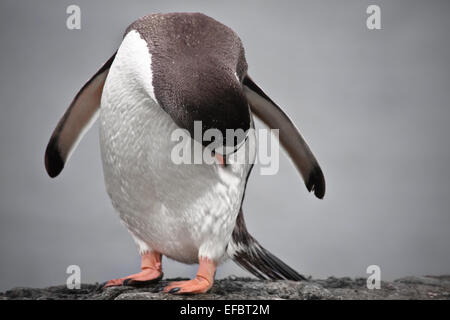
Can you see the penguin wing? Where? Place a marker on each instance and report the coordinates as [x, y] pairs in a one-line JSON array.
[[292, 141], [78, 118]]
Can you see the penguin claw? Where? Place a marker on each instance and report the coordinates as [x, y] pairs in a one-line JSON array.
[[197, 285], [158, 288], [100, 286], [174, 290], [141, 283], [125, 282], [141, 279]]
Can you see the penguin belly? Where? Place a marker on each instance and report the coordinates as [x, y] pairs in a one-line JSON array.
[[183, 211]]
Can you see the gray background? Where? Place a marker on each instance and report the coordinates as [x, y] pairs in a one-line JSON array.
[[373, 105]]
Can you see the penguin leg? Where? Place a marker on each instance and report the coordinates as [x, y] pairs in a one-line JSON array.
[[200, 284], [151, 272]]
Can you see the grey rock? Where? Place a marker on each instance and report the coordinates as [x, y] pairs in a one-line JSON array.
[[234, 288], [427, 280]]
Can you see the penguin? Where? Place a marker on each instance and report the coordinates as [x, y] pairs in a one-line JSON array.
[[171, 71]]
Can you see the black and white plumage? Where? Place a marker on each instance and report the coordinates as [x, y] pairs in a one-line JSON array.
[[172, 70]]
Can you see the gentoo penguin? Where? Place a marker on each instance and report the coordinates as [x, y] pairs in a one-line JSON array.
[[170, 71]]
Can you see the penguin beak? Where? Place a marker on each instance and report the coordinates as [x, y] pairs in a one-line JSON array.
[[224, 153], [229, 150]]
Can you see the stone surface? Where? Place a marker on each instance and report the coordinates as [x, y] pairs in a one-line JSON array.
[[426, 287]]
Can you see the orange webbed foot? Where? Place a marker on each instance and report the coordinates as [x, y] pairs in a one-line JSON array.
[[197, 285], [145, 277], [200, 284], [151, 272]]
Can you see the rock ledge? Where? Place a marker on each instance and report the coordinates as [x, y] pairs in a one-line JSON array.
[[232, 288]]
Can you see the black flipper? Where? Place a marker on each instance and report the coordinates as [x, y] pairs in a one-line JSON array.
[[77, 119], [291, 139]]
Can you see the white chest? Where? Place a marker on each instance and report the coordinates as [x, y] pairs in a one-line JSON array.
[[180, 210]]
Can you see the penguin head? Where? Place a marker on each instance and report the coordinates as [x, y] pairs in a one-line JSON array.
[[214, 101], [222, 106]]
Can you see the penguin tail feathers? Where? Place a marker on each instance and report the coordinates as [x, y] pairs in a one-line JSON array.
[[250, 255], [263, 264]]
